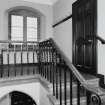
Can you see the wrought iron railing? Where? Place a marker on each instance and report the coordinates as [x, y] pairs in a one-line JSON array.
[[49, 61], [16, 58], [57, 68]]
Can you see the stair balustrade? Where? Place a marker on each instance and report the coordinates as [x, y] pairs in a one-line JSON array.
[[16, 56], [20, 58], [57, 68]]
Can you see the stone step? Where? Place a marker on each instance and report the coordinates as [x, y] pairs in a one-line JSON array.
[[54, 101], [93, 82], [90, 79]]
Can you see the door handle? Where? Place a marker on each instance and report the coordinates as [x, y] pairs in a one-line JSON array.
[[79, 65]]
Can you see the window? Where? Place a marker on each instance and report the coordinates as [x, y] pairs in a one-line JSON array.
[[23, 26], [17, 27], [31, 29]]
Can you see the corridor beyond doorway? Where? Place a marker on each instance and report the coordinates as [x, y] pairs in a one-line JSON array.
[[19, 98]]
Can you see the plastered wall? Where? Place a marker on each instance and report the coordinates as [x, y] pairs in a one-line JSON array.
[[101, 33], [63, 32], [35, 90]]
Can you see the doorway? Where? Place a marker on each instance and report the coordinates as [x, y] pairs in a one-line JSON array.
[[84, 17], [19, 98]]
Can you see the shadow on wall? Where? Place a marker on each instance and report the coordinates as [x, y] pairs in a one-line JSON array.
[[17, 98]]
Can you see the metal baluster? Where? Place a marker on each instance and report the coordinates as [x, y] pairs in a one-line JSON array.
[[8, 59], [47, 61], [40, 58], [78, 92], [65, 85], [60, 79], [50, 65], [40, 61], [56, 75], [38, 55], [27, 59], [87, 97], [34, 59], [42, 66], [15, 58], [21, 59], [53, 69], [44, 58], [41, 53], [1, 63], [71, 87]]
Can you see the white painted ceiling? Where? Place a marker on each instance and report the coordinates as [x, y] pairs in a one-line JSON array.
[[49, 2]]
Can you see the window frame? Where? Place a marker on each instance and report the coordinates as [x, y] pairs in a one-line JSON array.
[[25, 13]]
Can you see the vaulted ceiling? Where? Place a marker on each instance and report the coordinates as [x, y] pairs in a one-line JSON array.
[[49, 2]]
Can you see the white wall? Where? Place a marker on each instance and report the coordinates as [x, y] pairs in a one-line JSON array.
[[101, 33], [63, 32], [46, 10], [5, 100], [44, 100], [35, 90], [31, 89]]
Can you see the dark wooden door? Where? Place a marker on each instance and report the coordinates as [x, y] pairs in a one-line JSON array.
[[84, 29]]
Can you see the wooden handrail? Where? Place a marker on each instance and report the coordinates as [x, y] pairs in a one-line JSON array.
[[97, 38], [100, 39], [62, 21]]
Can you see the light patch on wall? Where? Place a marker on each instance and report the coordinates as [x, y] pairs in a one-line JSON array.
[[48, 2]]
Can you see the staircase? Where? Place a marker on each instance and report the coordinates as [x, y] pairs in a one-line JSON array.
[[93, 81], [69, 86], [66, 85]]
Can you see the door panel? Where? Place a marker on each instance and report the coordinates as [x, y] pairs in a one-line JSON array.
[[84, 27]]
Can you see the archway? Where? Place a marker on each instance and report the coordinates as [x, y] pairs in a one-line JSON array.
[[40, 14], [19, 98]]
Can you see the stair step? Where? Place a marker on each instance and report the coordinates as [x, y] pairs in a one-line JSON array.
[[91, 79], [74, 88], [88, 76], [54, 101], [62, 85]]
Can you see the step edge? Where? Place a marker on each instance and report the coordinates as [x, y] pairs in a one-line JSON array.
[[54, 101]]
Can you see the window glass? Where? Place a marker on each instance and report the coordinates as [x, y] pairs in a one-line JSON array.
[[16, 27], [31, 29], [32, 22], [17, 20], [23, 26]]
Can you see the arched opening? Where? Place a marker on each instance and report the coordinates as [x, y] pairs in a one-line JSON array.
[[19, 98], [41, 21], [23, 25]]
